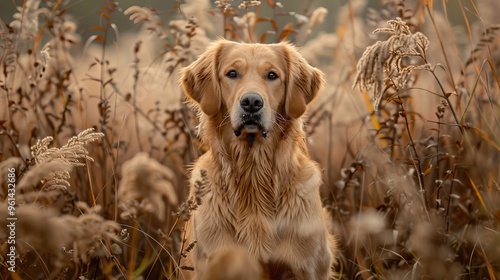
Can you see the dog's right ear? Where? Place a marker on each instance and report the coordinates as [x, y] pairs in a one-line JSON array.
[[200, 80]]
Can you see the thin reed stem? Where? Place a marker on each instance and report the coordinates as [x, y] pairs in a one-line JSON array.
[[415, 159]]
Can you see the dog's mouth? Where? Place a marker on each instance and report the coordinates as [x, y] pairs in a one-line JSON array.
[[250, 128]]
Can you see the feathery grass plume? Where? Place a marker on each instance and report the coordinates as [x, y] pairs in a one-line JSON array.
[[52, 174], [41, 230], [26, 19], [145, 186], [96, 235], [381, 65], [72, 152], [140, 14], [147, 16], [65, 32], [488, 38], [317, 17], [54, 164]]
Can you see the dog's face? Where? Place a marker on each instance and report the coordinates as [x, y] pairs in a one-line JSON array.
[[253, 85]]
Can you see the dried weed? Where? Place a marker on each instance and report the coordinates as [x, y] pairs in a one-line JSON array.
[[411, 179]]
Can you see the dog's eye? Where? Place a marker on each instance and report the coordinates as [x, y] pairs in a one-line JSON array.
[[232, 74], [272, 75]]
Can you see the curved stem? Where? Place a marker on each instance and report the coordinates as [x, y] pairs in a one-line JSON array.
[[446, 97], [416, 160]]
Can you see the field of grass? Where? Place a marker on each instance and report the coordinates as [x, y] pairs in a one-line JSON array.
[[96, 141]]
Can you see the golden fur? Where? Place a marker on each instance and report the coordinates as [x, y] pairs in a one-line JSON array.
[[262, 192]]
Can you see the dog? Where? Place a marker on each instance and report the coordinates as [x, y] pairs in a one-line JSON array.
[[261, 189]]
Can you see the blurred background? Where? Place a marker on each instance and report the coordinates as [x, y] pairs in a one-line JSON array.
[[87, 12], [412, 188]]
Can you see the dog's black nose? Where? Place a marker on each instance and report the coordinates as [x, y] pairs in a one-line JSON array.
[[251, 102]]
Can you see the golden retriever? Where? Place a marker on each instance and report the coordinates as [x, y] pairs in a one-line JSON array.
[[262, 188]]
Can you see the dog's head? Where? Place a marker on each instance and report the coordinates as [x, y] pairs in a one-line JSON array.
[[253, 85]]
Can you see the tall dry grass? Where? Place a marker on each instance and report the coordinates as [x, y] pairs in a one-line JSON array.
[[407, 131]]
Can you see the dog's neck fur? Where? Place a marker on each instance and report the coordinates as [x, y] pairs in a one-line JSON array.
[[256, 170], [256, 177]]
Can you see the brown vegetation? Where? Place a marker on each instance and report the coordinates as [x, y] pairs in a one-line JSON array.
[[101, 140]]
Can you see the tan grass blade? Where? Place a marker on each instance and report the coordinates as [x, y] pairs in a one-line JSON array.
[[489, 267], [478, 194], [369, 106]]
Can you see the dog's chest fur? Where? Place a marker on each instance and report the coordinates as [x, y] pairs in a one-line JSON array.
[[253, 196]]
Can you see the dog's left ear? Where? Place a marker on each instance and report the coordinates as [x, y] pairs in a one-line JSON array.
[[303, 82]]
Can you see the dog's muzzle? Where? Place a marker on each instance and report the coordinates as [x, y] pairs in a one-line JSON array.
[[251, 105]]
